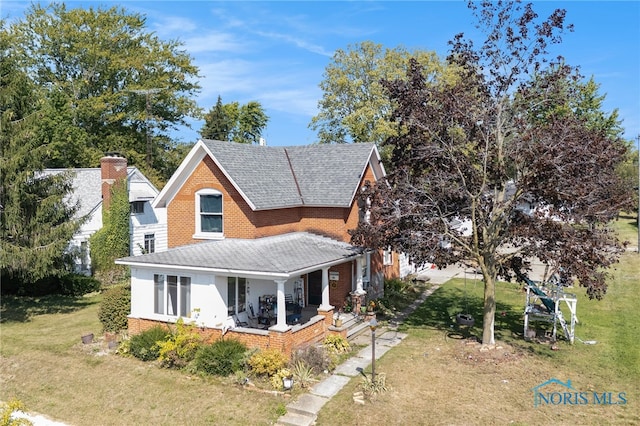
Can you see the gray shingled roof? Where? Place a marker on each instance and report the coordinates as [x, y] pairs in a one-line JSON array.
[[87, 187], [279, 177], [279, 254]]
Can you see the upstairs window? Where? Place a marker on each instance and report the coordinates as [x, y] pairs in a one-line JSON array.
[[209, 214], [149, 243], [137, 207]]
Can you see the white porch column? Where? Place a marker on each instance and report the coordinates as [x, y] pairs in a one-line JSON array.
[[325, 306], [359, 285], [281, 324]]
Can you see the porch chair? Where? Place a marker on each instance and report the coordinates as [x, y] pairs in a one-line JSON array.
[[253, 319], [241, 319], [290, 305]]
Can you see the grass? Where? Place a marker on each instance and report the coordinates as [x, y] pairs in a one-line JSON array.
[[627, 228], [436, 376], [44, 365]]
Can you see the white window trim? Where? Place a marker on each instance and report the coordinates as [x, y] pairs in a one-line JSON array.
[[238, 308], [387, 257], [148, 242], [366, 270], [165, 296], [207, 235]]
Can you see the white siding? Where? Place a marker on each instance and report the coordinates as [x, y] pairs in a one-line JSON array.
[[152, 221], [208, 295], [406, 267], [205, 296]]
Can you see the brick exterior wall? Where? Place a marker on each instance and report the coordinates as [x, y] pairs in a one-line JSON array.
[[300, 336], [242, 222], [339, 290], [112, 169]]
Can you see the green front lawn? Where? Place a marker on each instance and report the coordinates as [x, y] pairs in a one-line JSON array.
[[436, 376]]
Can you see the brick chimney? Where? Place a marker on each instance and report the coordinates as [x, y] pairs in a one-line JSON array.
[[113, 167]]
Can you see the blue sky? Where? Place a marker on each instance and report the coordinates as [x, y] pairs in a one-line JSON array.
[[276, 52]]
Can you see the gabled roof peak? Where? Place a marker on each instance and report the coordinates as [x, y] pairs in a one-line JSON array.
[[275, 177]]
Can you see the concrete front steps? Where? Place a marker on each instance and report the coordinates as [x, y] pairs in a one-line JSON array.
[[302, 412], [354, 324]]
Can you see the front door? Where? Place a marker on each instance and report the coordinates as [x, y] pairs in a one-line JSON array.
[[315, 288]]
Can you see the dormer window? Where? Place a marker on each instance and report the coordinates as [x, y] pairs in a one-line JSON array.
[[137, 207], [209, 214]]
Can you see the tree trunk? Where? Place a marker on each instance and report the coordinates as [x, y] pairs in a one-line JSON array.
[[489, 311]]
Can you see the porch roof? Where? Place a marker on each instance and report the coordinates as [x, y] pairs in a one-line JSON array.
[[280, 256]]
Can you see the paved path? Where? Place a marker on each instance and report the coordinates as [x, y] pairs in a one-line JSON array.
[[304, 410]]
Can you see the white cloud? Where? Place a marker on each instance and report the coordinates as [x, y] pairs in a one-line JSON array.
[[293, 101], [174, 24], [314, 48], [213, 42]]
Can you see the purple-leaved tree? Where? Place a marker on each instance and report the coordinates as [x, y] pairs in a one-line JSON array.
[[512, 150]]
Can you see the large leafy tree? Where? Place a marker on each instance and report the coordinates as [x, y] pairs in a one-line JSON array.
[[115, 85], [354, 106], [235, 122], [36, 223], [512, 132]]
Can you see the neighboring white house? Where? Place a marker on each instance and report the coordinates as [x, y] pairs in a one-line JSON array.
[[148, 226]]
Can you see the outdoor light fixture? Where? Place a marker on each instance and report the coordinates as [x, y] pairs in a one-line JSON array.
[[373, 324], [287, 383]]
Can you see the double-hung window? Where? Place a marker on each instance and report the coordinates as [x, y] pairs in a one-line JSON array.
[[172, 295], [209, 214]]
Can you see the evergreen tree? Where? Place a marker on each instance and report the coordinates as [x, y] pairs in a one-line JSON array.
[[217, 124], [36, 222], [235, 123]]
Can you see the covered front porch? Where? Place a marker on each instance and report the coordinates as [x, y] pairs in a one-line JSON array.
[[270, 292]]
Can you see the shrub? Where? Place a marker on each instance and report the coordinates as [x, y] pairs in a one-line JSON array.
[[78, 285], [370, 388], [114, 308], [7, 410], [336, 344], [395, 285], [144, 346], [302, 373], [267, 362], [180, 347], [221, 358], [314, 357], [66, 285], [276, 379]]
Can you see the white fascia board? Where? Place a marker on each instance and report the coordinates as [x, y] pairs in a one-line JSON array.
[[226, 174], [377, 168], [179, 177], [322, 265], [237, 272], [216, 271], [137, 172]]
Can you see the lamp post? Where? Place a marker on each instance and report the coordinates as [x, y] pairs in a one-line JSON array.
[[373, 324]]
